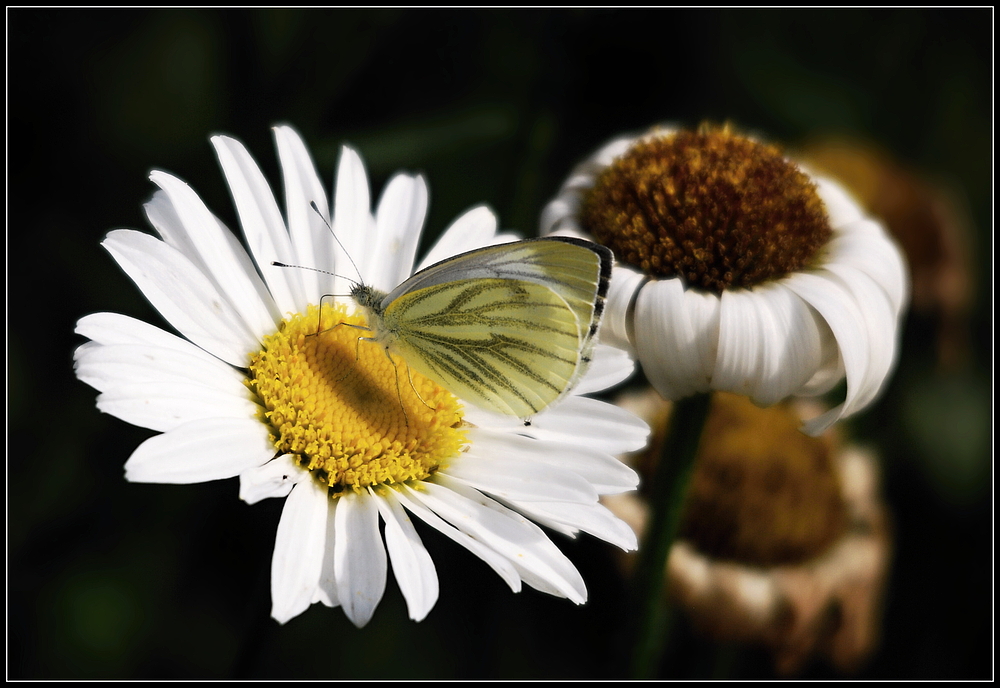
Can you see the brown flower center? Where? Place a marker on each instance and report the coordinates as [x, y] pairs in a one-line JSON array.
[[716, 209]]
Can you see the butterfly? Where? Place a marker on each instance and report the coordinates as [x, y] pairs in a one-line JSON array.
[[508, 328]]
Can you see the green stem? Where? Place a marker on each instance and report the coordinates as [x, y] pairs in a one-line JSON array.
[[666, 499]]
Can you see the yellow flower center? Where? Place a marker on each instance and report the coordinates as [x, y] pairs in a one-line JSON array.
[[716, 209], [348, 414]]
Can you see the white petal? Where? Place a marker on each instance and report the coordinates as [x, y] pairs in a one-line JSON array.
[[359, 557], [596, 425], [164, 406], [594, 519], [352, 220], [834, 301], [274, 479], [399, 220], [115, 328], [769, 344], [409, 499], [206, 449], [512, 478], [841, 208], [865, 246], [521, 541], [186, 223], [618, 309], [326, 591], [183, 295], [312, 238], [473, 229], [411, 564], [106, 366], [298, 550], [677, 337], [263, 227], [609, 367], [605, 473]]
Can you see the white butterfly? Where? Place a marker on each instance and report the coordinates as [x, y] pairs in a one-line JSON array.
[[508, 328]]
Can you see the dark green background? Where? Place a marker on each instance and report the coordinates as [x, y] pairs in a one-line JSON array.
[[111, 579]]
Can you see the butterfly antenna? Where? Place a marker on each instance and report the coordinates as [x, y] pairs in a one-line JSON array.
[[315, 207]]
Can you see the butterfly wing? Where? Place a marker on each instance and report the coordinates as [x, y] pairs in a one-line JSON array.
[[511, 346], [509, 328]]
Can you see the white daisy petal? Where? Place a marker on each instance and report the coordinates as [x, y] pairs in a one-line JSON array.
[[595, 519], [165, 405], [106, 366], [399, 219], [262, 224], [359, 557], [491, 557], [683, 325], [411, 564], [186, 224], [510, 478], [326, 591], [615, 325], [298, 550], [609, 367], [352, 223], [593, 424], [473, 229], [201, 450], [182, 295], [522, 542], [274, 479], [604, 472], [312, 238], [878, 258]]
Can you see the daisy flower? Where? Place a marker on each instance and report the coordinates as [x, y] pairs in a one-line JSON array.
[[263, 386], [737, 270]]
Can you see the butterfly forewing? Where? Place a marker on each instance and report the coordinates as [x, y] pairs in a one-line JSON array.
[[509, 328]]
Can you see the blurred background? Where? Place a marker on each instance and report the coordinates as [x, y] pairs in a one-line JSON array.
[[109, 579]]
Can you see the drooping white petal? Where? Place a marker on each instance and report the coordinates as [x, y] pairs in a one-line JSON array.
[[411, 564], [769, 343], [840, 207], [352, 223], [202, 450], [312, 238], [835, 303], [618, 308], [359, 557], [106, 366], [677, 337], [185, 223], [274, 479], [604, 472], [522, 542], [491, 557], [166, 405], [590, 423], [298, 550], [399, 220], [182, 295], [263, 226], [864, 245]]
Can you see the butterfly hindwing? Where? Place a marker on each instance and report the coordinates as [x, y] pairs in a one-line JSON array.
[[511, 346]]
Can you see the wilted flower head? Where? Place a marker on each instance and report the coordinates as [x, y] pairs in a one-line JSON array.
[[737, 269]]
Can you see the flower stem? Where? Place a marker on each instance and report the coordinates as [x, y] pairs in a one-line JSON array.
[[666, 499]]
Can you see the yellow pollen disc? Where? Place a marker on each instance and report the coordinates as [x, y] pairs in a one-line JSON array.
[[346, 412], [716, 209]]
